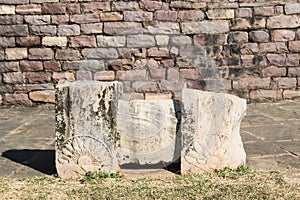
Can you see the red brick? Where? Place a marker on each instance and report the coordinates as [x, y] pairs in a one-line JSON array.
[[37, 77], [52, 66], [15, 99], [191, 74], [158, 73], [150, 5], [104, 76], [53, 8], [31, 66], [82, 41], [132, 75], [95, 6], [191, 15], [163, 15]]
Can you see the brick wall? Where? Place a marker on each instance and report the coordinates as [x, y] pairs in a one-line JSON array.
[[248, 48]]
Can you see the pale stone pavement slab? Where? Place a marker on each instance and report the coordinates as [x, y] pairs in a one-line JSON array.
[[270, 134]]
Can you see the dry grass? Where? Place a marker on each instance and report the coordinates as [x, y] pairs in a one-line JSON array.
[[223, 184]]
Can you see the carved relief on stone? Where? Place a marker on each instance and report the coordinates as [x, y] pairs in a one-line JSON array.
[[210, 131]]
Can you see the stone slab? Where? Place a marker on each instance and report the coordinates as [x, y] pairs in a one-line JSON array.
[[210, 131]]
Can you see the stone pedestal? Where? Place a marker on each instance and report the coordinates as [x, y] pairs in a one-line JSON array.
[[210, 131]]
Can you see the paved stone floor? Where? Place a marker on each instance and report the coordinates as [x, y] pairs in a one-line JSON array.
[[270, 133]]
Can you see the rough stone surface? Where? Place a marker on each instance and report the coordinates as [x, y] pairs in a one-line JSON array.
[[46, 96], [86, 132], [210, 131]]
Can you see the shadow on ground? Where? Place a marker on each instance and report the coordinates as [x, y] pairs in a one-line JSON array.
[[40, 160]]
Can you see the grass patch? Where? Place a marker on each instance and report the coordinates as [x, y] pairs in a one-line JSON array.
[[240, 183]]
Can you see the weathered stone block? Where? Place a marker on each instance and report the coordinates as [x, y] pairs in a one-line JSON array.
[[285, 82], [54, 41], [52, 66], [252, 83], [14, 30], [220, 14], [165, 15], [43, 30], [7, 41], [111, 41], [259, 95], [164, 28], [73, 8], [291, 94], [150, 5], [86, 134], [274, 47], [122, 5], [140, 41], [111, 16], [181, 4], [191, 15], [7, 10], [147, 131], [91, 28], [67, 54], [99, 53], [37, 77], [283, 35], [238, 37], [40, 54], [264, 11], [53, 8], [104, 76], [64, 76], [259, 36], [138, 16], [243, 12], [11, 19], [29, 9], [13, 77], [123, 28], [16, 53], [210, 131], [283, 21], [9, 66], [28, 41], [26, 66], [37, 19], [94, 7], [88, 65], [68, 30], [45, 96], [82, 41], [292, 8], [60, 19], [17, 99], [85, 18], [294, 46], [273, 71], [84, 75], [213, 27]]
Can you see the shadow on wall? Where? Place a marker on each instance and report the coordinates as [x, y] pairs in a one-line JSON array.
[[40, 160]]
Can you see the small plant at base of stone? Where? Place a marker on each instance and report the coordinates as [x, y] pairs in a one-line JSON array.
[[233, 173], [96, 176]]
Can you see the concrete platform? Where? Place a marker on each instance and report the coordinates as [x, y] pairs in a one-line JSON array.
[[270, 133]]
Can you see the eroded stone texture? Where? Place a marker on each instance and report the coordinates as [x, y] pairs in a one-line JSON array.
[[85, 127], [147, 130], [210, 131]]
